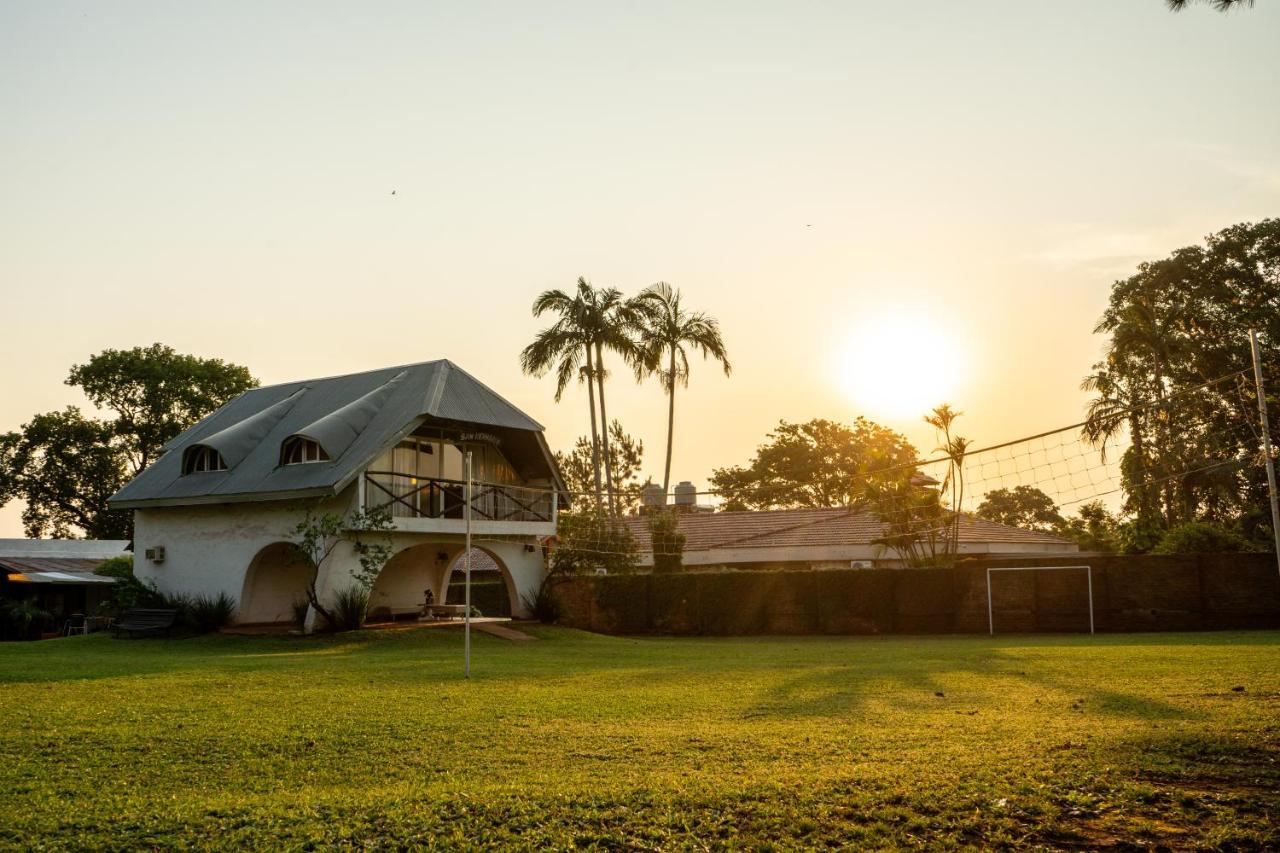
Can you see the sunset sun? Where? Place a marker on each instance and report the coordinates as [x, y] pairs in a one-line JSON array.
[[899, 366]]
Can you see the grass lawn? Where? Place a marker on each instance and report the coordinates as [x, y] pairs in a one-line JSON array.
[[581, 740]]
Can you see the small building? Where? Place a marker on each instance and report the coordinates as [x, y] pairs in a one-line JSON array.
[[825, 538], [58, 575], [217, 512]]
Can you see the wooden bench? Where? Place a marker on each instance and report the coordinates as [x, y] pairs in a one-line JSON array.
[[141, 622]]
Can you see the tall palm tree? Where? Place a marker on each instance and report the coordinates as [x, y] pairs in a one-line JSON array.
[[667, 333], [567, 346], [941, 419], [609, 320]]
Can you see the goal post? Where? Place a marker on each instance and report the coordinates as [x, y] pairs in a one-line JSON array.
[[991, 616]]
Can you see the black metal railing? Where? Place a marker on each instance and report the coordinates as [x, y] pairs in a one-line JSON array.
[[427, 497]]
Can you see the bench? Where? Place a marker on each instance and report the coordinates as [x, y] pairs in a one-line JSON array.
[[143, 621]]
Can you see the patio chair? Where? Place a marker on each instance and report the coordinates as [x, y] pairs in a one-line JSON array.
[[76, 624]]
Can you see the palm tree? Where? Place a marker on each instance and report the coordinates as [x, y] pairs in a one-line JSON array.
[[941, 419], [667, 332], [567, 346], [608, 320]]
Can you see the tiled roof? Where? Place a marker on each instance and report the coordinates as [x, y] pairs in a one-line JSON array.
[[800, 527], [54, 569]]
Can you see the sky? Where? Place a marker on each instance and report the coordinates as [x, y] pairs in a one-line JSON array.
[[844, 185]]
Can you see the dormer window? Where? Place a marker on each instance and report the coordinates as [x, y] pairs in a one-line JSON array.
[[298, 451], [201, 459]]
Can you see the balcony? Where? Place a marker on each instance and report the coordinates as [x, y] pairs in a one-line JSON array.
[[438, 505]]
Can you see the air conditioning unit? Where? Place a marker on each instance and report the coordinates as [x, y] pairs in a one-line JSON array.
[[860, 564], [156, 554]]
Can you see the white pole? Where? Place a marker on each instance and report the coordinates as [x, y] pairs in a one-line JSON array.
[[991, 618], [1266, 441], [466, 617], [1091, 599]]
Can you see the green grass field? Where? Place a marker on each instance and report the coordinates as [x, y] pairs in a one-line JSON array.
[[374, 739]]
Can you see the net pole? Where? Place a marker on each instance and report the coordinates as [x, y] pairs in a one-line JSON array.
[[1266, 441], [466, 616]]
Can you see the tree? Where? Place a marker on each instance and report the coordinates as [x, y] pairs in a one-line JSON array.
[[1175, 380], [567, 346], [1094, 528], [1022, 506], [588, 541], [667, 333], [318, 535], [1200, 537], [913, 520], [626, 455], [667, 540], [156, 393], [64, 467], [941, 419], [820, 463]]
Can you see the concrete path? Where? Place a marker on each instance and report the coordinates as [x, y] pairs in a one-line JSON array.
[[499, 630]]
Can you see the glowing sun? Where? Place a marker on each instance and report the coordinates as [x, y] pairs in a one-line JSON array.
[[899, 366]]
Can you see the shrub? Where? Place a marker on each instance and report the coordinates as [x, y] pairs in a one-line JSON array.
[[545, 605], [668, 541], [22, 620], [128, 592], [1199, 537], [205, 614], [350, 607]]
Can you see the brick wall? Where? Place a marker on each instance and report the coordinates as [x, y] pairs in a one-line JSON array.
[[1130, 593]]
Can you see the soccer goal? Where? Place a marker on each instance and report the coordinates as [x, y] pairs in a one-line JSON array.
[[991, 616]]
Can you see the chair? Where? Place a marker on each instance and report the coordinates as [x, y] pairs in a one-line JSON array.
[[76, 624]]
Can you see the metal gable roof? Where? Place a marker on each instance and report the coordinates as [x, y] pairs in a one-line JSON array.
[[404, 396]]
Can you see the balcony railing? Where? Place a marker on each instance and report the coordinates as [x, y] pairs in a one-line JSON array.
[[425, 497]]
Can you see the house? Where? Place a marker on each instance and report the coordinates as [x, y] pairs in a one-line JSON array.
[[216, 513], [57, 575], [824, 538]]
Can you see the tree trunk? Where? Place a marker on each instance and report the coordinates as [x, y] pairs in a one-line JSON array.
[[595, 437], [671, 423], [604, 433]]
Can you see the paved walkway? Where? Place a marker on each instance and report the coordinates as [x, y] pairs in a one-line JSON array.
[[500, 630]]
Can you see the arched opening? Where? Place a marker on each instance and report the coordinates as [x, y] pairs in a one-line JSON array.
[[275, 584], [493, 592], [402, 586]]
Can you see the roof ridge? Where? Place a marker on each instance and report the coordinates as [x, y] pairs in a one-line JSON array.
[[308, 380]]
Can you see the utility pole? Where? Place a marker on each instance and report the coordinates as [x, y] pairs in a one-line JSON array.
[[1266, 441], [466, 617]]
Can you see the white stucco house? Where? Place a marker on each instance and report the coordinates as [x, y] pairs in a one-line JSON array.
[[215, 513]]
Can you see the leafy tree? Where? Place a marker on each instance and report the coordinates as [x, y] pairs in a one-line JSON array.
[[1173, 326], [1094, 528], [1022, 506], [318, 535], [820, 463], [156, 393], [64, 467], [626, 454], [667, 333]]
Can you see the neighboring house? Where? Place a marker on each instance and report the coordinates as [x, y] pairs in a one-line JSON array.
[[216, 513], [824, 538], [58, 574]]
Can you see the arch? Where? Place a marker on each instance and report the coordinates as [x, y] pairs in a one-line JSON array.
[[456, 567], [405, 579], [275, 581]]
